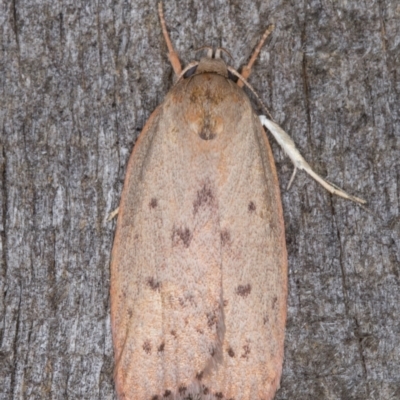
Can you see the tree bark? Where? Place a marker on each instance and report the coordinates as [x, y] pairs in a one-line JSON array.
[[78, 82]]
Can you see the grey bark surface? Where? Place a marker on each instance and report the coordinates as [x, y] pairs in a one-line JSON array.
[[79, 80]]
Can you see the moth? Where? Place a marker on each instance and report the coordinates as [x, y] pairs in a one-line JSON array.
[[199, 263]]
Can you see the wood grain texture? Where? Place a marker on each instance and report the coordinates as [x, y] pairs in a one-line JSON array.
[[199, 264], [78, 83]]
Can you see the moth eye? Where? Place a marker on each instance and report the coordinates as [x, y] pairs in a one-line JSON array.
[[190, 72], [232, 77]]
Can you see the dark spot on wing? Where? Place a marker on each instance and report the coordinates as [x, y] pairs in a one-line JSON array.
[[181, 236], [211, 319], [274, 301], [188, 299], [266, 319], [252, 206], [153, 203], [205, 197], [161, 347], [206, 390], [246, 351], [231, 353], [199, 375], [154, 397], [225, 237], [173, 333], [219, 395], [147, 347], [243, 290], [182, 390], [167, 393], [154, 285], [207, 131]]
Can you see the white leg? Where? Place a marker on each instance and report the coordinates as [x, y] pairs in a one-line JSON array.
[[113, 214], [288, 146]]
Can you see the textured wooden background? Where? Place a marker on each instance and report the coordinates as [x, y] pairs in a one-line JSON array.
[[78, 81]]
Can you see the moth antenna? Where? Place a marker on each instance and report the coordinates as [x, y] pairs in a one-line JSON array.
[[172, 54], [244, 82], [246, 70]]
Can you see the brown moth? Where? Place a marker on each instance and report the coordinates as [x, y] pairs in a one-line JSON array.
[[199, 263]]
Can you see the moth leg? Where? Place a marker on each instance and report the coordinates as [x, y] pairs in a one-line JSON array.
[[288, 146], [113, 214], [172, 54], [292, 178], [246, 70]]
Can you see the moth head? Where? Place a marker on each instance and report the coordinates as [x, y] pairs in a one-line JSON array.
[[212, 63]]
